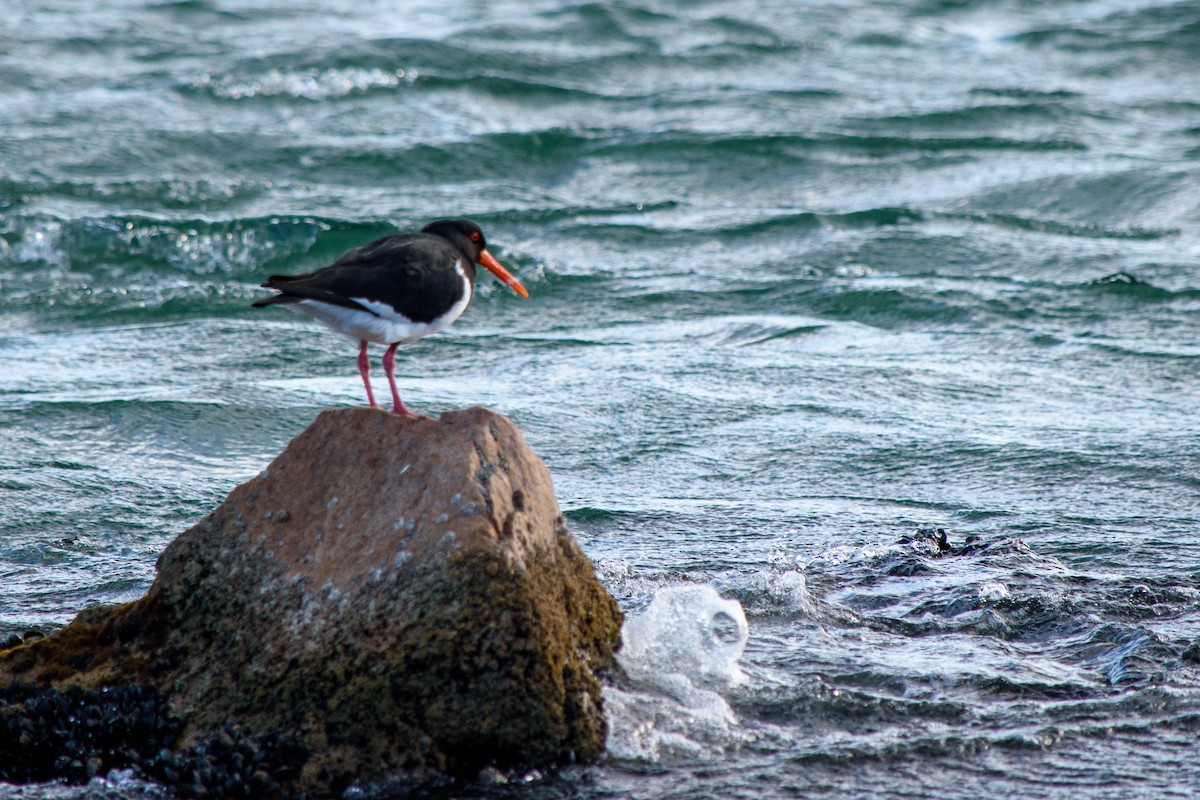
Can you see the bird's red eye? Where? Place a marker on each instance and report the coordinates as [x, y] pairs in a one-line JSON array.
[[474, 236]]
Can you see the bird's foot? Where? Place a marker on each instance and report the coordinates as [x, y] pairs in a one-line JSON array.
[[405, 411]]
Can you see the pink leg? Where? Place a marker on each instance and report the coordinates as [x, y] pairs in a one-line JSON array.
[[389, 367], [364, 366]]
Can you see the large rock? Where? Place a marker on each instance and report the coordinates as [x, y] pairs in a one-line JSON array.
[[400, 595]]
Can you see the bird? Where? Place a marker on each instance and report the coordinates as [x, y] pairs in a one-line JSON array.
[[393, 291]]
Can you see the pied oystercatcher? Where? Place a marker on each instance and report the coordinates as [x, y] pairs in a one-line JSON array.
[[394, 290]]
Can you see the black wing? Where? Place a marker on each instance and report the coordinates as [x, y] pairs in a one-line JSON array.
[[413, 273]]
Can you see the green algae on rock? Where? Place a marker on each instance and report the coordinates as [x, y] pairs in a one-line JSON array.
[[400, 596]]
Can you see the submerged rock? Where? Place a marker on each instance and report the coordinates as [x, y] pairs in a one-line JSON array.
[[79, 734], [398, 596]]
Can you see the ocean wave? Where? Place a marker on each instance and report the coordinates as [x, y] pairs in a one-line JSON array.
[[681, 144], [1126, 285], [997, 115], [169, 193], [1157, 28], [888, 306], [555, 153], [304, 84], [128, 269], [121, 244], [1058, 228]]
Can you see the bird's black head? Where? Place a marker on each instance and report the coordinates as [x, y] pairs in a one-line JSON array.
[[462, 233], [468, 238]]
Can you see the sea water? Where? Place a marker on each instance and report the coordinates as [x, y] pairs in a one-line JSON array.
[[806, 279]]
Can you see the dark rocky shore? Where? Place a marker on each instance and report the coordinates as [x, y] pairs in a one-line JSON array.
[[392, 599]]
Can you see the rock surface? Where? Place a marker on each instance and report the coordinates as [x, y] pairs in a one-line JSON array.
[[400, 596]]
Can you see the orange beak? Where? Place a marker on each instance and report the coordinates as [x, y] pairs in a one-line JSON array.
[[506, 277]]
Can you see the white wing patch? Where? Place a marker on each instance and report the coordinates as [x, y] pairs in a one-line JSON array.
[[387, 328]]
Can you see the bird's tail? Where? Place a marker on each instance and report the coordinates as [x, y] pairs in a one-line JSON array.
[[276, 300]]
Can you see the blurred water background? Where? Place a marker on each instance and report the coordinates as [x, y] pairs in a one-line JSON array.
[[806, 278]]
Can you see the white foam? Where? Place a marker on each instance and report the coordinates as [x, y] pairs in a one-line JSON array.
[[677, 655], [687, 630], [991, 591]]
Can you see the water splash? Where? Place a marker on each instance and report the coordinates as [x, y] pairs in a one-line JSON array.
[[677, 656], [687, 630]]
